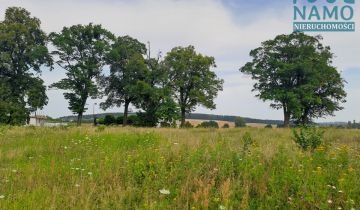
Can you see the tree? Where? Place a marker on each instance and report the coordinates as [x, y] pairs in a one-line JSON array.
[[226, 125], [109, 120], [23, 51], [81, 51], [209, 124], [240, 122], [191, 79], [295, 73], [127, 73], [155, 97]]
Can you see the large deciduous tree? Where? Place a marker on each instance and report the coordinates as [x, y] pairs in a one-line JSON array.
[[192, 81], [81, 51], [295, 73], [155, 97], [128, 71], [23, 50]]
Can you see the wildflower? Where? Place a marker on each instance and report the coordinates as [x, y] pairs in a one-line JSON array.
[[2, 196], [333, 187], [339, 208], [318, 168], [164, 192], [14, 171], [90, 173], [176, 143], [340, 191], [31, 157], [330, 201], [221, 207], [77, 185]]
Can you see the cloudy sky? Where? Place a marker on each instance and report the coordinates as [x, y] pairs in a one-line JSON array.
[[225, 29]]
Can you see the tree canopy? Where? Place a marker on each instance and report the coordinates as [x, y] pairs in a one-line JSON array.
[[23, 51], [81, 51], [294, 72], [192, 81], [128, 71]]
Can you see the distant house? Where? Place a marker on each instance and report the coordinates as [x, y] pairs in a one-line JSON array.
[[37, 120]]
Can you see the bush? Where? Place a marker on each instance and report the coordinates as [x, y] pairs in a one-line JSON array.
[[308, 138], [109, 120], [187, 125], [226, 125], [100, 128], [209, 124], [133, 120], [247, 141], [120, 120], [240, 122], [268, 126]]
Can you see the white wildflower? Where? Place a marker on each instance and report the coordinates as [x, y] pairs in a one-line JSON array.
[[90, 173], [14, 171], [2, 196], [330, 201], [77, 185], [221, 207], [164, 192]]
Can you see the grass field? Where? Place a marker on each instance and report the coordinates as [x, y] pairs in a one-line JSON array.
[[133, 168]]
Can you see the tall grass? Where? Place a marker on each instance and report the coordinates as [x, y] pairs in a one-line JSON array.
[[134, 168]]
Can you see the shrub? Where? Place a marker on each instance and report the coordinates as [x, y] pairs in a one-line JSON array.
[[247, 141], [268, 126], [100, 121], [109, 120], [187, 125], [133, 120], [308, 138], [120, 120], [240, 122], [100, 128], [209, 124], [226, 125]]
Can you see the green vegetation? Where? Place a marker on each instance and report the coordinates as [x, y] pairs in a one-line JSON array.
[[308, 138], [136, 168], [226, 125], [191, 79], [239, 122], [23, 52], [208, 124], [290, 71], [81, 51]]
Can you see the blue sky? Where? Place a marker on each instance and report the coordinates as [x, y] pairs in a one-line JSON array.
[[225, 29]]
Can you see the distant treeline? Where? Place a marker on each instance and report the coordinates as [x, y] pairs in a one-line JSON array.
[[193, 116]]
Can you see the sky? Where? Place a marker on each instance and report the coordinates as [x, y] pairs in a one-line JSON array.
[[224, 29]]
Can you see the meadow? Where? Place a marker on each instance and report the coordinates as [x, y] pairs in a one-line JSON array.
[[138, 168]]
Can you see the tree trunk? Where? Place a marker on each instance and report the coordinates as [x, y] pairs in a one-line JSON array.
[[286, 118], [183, 113], [79, 119], [126, 110]]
